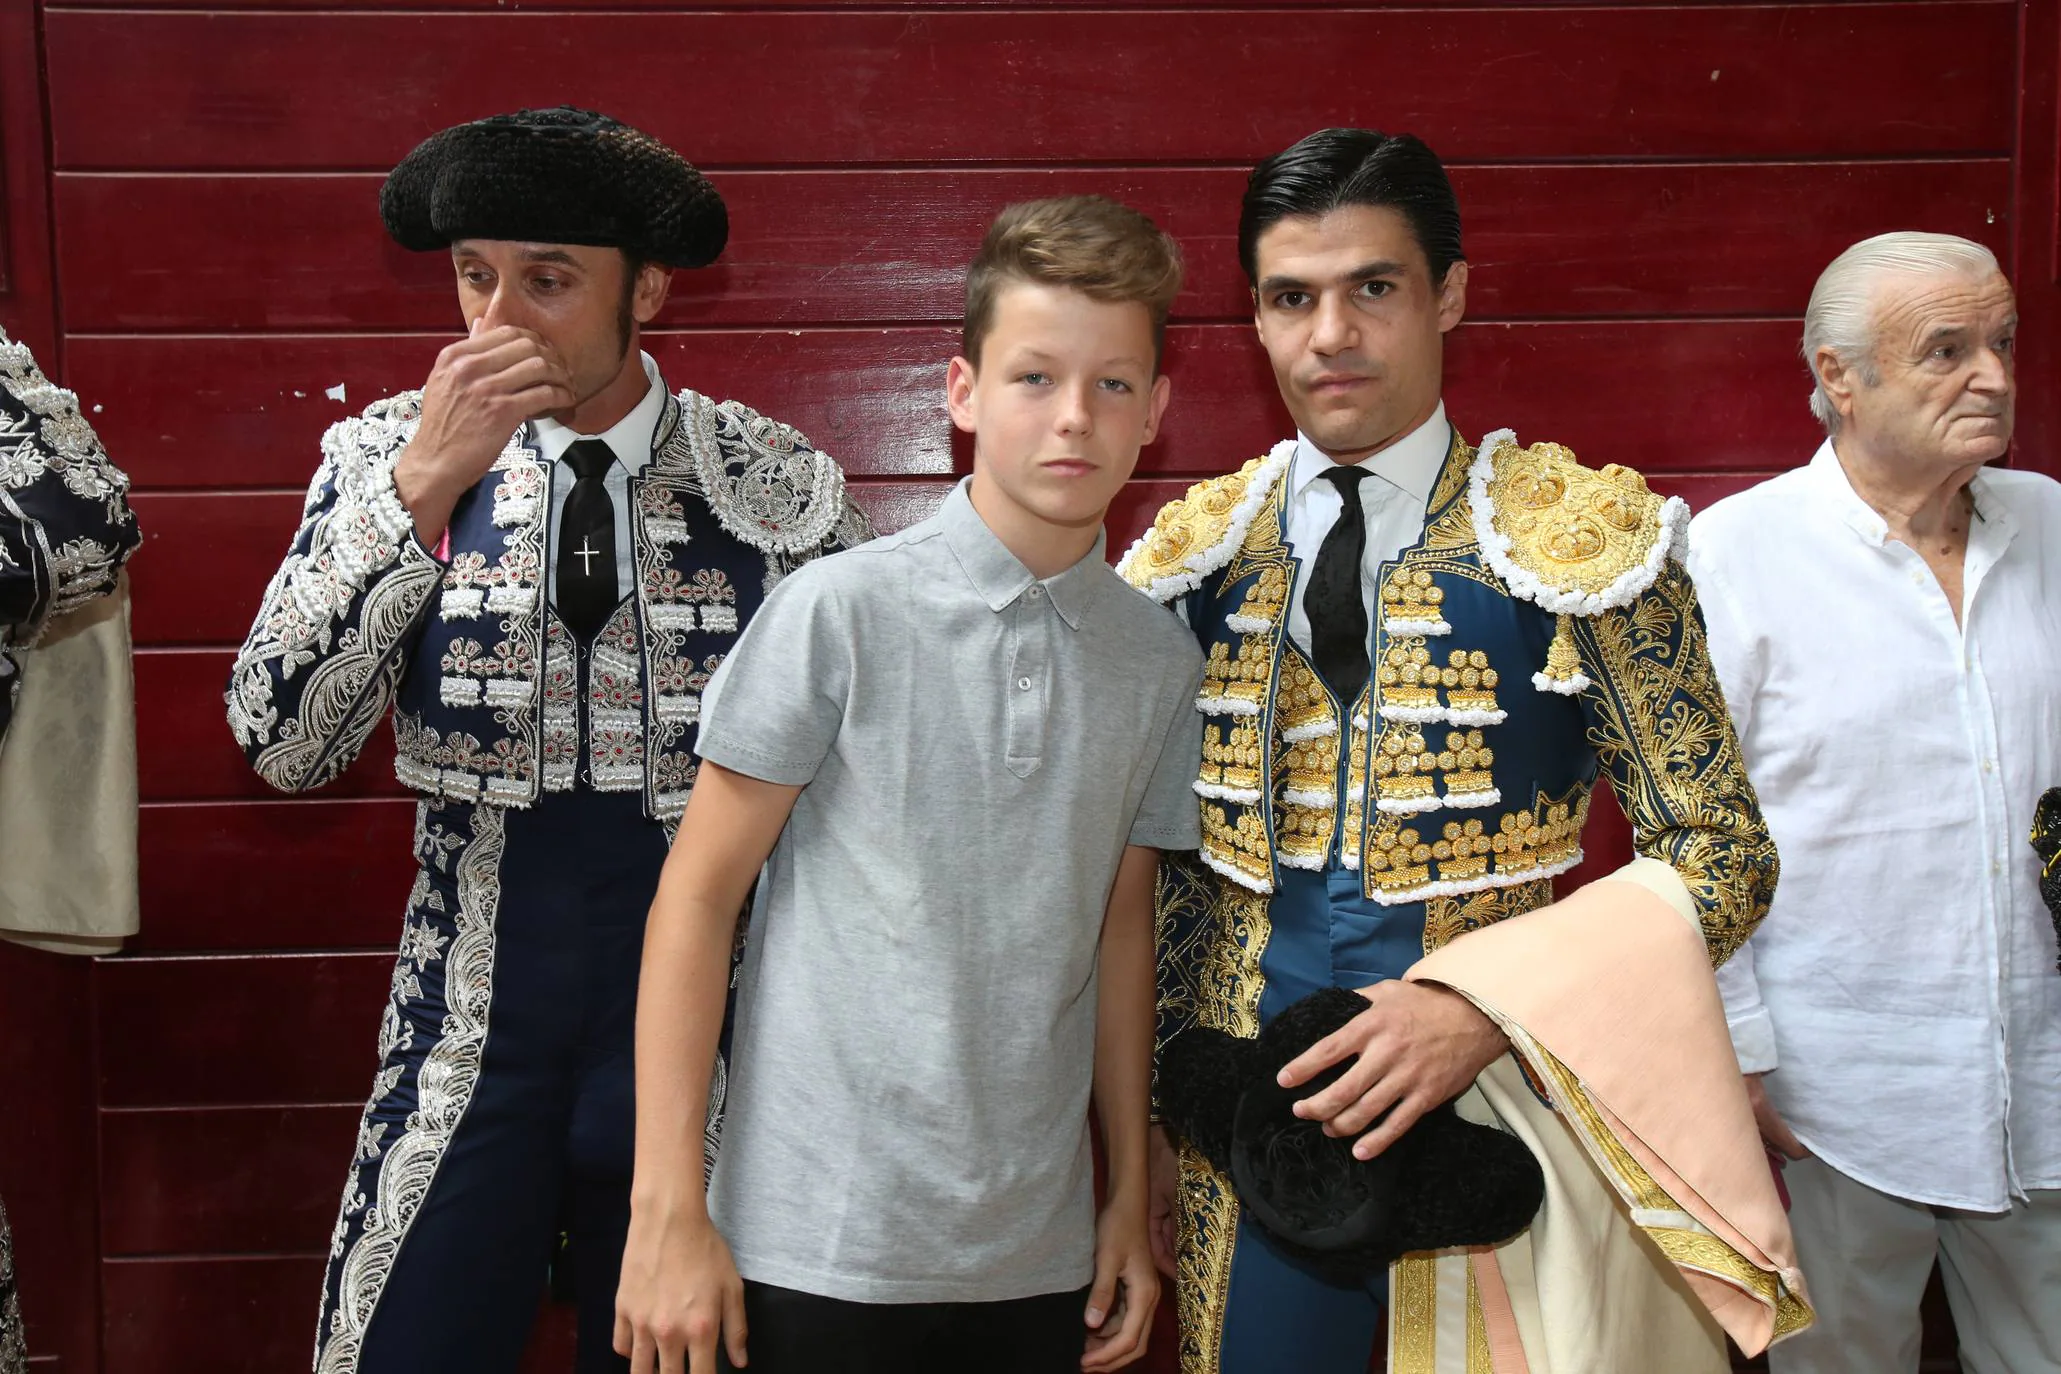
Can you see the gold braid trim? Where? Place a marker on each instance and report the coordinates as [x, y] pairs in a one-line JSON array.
[[1202, 1288]]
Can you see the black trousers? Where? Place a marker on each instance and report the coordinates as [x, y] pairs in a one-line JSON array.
[[800, 1333]]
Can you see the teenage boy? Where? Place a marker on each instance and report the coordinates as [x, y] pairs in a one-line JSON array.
[[962, 748]]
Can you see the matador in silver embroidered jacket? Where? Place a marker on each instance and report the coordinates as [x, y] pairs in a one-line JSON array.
[[550, 736]]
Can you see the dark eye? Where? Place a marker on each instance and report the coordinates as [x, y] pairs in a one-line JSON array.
[[1376, 289], [1291, 300], [1116, 384], [2006, 344], [548, 284], [475, 276]]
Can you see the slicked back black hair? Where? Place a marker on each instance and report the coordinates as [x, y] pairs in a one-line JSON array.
[[1335, 168]]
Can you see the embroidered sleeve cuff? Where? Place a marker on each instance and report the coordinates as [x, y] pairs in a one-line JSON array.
[[740, 757], [1753, 1039]]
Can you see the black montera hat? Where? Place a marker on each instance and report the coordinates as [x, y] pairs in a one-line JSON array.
[[1447, 1182], [555, 176]]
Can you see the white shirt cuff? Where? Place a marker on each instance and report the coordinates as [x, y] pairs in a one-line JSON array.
[[1753, 1040]]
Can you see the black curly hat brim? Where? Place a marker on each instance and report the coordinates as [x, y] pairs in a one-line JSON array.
[[1447, 1181], [555, 176]]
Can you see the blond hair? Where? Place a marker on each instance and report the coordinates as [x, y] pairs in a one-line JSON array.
[[1090, 244]]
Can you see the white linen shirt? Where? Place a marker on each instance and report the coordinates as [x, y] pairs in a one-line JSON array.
[[1903, 987], [1395, 502], [630, 440]]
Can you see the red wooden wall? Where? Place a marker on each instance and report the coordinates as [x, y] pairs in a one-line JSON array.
[[190, 238]]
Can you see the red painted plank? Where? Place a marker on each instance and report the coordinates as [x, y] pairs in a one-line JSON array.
[[705, 6], [243, 412], [179, 1181], [189, 413], [864, 247], [214, 876], [183, 748], [229, 1315], [243, 1030], [246, 1315], [2036, 250], [47, 1149], [156, 90], [206, 563]]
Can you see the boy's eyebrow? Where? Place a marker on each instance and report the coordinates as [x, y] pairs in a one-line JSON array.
[[1366, 271]]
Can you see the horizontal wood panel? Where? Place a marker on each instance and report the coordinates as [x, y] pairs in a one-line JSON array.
[[154, 90], [574, 7], [242, 1030], [247, 1315], [227, 1315], [300, 874], [180, 1181], [845, 248], [246, 412], [184, 751]]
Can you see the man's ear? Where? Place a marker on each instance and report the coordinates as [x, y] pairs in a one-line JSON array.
[[959, 380], [1838, 380], [1452, 297], [648, 297]]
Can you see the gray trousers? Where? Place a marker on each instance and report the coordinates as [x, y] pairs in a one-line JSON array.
[[1866, 1257]]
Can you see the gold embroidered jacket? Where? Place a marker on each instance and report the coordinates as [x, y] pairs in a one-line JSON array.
[[478, 669], [1540, 629]]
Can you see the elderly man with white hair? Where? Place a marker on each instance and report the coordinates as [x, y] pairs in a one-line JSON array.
[[1886, 622]]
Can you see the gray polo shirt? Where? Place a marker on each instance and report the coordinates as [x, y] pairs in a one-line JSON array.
[[914, 1047]]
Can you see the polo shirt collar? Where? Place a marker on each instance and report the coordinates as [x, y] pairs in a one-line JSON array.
[[1000, 577]]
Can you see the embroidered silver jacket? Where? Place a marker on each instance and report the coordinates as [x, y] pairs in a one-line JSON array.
[[481, 675], [65, 523]]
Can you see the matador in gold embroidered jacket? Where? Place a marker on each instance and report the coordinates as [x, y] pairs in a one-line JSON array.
[[1539, 632]]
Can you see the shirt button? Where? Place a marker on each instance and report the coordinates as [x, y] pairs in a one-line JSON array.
[[1989, 765], [1036, 591], [1023, 684]]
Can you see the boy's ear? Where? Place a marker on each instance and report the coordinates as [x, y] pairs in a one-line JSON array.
[[959, 381], [1162, 392]]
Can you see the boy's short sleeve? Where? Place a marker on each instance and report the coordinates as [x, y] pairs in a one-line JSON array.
[[1168, 818], [773, 708]]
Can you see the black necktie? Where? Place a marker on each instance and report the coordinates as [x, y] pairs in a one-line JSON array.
[[586, 542], [1338, 614]]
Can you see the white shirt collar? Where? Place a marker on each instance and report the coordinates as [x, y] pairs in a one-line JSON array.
[[1993, 529], [1412, 463], [630, 437]]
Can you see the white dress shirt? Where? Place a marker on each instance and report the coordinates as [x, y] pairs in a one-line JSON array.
[[1903, 986], [1395, 501], [630, 440]]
